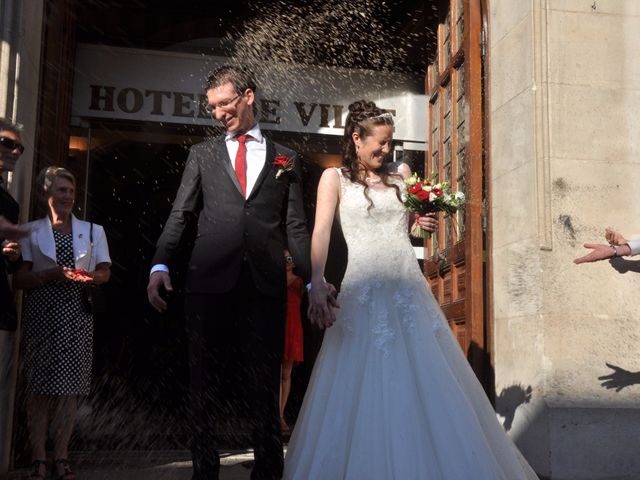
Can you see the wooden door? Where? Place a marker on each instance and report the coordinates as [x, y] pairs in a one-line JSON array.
[[455, 257]]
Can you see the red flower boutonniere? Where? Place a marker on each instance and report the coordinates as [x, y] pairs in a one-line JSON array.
[[284, 163]]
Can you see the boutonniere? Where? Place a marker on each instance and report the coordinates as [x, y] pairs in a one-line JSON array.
[[284, 163]]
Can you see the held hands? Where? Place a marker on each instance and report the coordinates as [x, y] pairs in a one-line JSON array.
[[322, 302], [158, 281]]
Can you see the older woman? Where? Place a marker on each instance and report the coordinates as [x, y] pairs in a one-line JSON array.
[[60, 255]]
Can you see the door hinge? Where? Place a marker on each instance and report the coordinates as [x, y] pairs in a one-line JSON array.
[[483, 42]]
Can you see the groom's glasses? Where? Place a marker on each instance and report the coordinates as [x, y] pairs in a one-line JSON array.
[[10, 144], [288, 259], [224, 105]]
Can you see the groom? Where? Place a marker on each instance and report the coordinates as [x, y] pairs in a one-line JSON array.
[[244, 193]]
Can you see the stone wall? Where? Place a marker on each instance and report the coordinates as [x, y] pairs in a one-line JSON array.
[[564, 95]]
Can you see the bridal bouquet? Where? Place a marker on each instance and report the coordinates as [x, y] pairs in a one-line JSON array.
[[427, 196]]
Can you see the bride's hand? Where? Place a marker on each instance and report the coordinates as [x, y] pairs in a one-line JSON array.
[[428, 221], [322, 301]]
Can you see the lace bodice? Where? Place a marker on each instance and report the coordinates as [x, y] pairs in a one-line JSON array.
[[377, 238], [383, 284]]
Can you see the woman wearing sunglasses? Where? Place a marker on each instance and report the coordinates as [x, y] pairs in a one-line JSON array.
[[10, 151]]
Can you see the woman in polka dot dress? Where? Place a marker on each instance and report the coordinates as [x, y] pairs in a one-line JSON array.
[[60, 256]]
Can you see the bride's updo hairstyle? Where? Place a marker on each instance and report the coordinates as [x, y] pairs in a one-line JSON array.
[[362, 117]]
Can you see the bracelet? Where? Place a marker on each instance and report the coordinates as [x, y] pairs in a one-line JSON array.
[[615, 251]]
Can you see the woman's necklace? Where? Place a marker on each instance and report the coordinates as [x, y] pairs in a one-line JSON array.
[[372, 180]]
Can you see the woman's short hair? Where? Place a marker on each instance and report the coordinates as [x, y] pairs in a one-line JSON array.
[[49, 174]]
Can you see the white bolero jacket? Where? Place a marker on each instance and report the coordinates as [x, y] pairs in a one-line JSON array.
[[40, 248]]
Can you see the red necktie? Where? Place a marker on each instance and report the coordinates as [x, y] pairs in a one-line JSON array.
[[241, 162]]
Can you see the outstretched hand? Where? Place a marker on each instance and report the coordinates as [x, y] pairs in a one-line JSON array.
[[619, 378], [322, 302], [598, 252], [77, 275]]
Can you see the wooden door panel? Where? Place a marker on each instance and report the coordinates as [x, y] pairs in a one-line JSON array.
[[454, 259]]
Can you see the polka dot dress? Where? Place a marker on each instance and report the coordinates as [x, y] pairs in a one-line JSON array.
[[57, 336]]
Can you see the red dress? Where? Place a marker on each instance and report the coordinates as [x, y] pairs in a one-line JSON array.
[[293, 332]]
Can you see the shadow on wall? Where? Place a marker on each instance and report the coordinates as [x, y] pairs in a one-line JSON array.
[[619, 378], [509, 400], [623, 265]]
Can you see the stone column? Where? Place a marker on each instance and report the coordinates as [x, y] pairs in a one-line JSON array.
[[21, 27]]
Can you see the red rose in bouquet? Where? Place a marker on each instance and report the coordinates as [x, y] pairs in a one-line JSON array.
[[426, 196]]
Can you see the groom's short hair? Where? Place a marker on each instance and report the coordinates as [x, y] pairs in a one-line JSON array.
[[239, 77]]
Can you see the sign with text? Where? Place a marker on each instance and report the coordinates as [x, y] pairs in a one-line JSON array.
[[168, 87]]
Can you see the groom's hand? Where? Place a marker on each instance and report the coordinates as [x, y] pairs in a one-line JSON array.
[[158, 281], [322, 301], [332, 296]]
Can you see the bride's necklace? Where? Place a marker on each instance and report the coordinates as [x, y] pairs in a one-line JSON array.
[[373, 181]]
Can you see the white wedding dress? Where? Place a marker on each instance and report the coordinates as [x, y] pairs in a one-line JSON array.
[[392, 396]]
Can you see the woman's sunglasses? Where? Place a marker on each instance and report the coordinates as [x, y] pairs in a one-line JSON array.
[[10, 144], [288, 258]]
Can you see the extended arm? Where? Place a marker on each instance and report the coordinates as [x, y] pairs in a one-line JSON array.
[[320, 311], [185, 209], [618, 247], [25, 278], [297, 233], [11, 231]]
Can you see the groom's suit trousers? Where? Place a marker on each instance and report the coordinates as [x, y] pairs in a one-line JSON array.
[[235, 351]]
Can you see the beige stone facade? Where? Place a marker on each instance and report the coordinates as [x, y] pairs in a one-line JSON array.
[[564, 97]]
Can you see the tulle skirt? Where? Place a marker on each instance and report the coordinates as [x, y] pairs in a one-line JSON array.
[[392, 397]]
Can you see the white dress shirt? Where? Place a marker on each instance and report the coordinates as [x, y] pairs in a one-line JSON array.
[[256, 156], [635, 246]]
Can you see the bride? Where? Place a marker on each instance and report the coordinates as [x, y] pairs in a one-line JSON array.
[[392, 396]]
